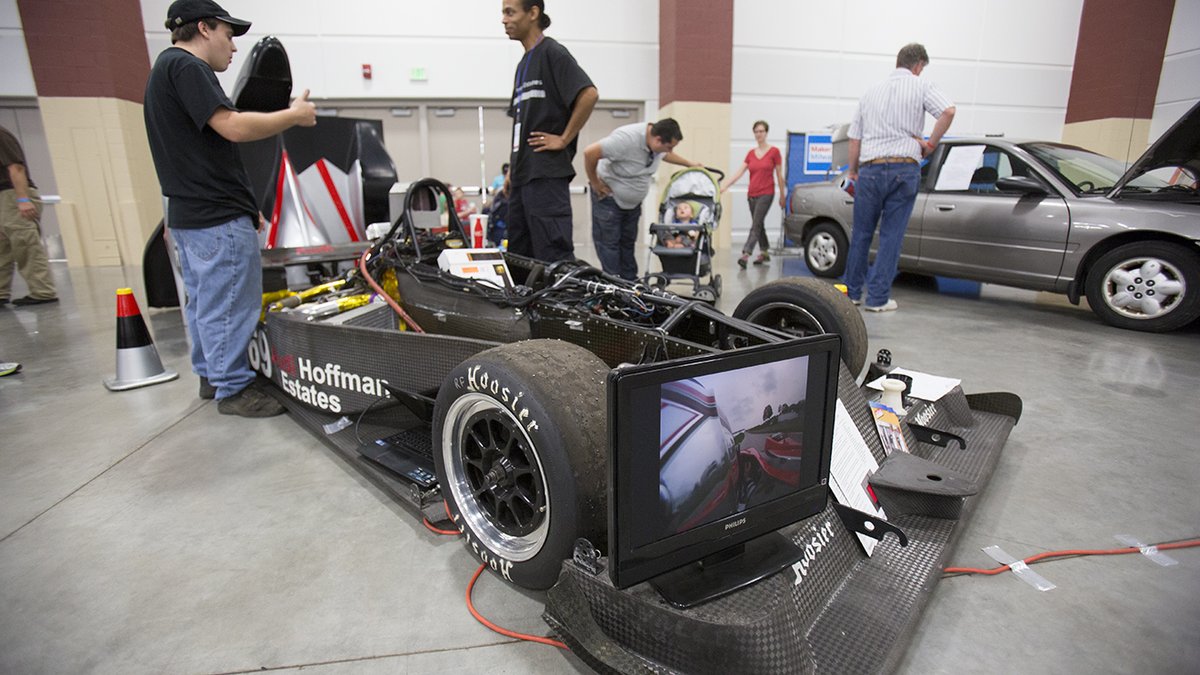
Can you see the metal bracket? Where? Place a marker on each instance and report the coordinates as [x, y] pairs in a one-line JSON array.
[[865, 524], [586, 557], [936, 436]]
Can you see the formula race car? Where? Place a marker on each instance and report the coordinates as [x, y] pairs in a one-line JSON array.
[[471, 382]]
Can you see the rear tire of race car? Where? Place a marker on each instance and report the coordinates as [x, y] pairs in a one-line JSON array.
[[1150, 286], [803, 306], [519, 443], [825, 250]]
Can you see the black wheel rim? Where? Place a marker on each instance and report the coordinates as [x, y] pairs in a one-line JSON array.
[[495, 477], [502, 474], [787, 317]]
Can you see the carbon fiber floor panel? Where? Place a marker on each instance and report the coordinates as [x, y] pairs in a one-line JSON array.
[[848, 613]]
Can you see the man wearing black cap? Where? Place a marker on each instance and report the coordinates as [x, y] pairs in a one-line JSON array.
[[193, 129]]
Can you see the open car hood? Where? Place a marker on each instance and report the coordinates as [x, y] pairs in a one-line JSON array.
[[1179, 146]]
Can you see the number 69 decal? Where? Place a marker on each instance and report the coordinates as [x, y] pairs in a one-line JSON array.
[[260, 352]]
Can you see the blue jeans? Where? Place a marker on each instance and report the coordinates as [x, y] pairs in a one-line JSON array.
[[614, 230], [883, 195], [222, 274]]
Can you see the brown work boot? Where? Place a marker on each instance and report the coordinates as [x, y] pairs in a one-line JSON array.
[[250, 402]]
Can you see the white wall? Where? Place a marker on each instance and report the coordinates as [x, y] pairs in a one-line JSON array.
[[460, 43], [799, 64], [16, 76], [802, 65], [806, 67], [1179, 84]]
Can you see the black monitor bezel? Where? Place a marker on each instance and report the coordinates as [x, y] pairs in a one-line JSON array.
[[629, 564]]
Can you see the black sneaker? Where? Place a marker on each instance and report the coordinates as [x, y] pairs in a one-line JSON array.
[[30, 300], [250, 402], [3, 302], [207, 391]]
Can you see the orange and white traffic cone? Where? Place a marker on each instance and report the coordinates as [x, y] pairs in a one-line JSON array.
[[138, 364]]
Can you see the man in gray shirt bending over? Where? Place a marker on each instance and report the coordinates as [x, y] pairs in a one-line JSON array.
[[619, 168]]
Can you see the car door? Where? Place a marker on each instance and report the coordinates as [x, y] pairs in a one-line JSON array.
[[972, 229]]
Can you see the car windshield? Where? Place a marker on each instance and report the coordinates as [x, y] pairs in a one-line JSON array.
[[1087, 171]]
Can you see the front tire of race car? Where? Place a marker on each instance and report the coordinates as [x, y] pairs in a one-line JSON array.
[[519, 444], [804, 306]]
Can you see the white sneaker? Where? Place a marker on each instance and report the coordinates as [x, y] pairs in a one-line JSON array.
[[889, 306], [855, 301]]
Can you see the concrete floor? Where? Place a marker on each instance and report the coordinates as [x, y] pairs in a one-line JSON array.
[[141, 532]]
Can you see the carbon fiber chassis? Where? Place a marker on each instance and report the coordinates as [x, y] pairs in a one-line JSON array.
[[837, 611]]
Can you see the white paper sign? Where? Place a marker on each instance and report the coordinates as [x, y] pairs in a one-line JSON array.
[[924, 386], [849, 468], [958, 168]]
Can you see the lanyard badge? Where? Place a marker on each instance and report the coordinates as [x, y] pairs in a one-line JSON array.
[[517, 88]]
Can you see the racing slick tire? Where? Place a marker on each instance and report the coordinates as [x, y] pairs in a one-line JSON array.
[[804, 306], [519, 443], [1147, 285]]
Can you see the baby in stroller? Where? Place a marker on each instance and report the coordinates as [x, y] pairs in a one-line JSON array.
[[685, 213], [682, 239]]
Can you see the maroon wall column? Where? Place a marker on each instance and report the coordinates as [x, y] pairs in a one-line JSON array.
[[93, 48], [90, 64], [695, 71], [695, 50], [1114, 82]]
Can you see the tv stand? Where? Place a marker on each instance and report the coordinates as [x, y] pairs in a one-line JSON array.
[[726, 571]]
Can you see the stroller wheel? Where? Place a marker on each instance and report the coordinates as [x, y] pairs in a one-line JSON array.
[[706, 293], [716, 284]]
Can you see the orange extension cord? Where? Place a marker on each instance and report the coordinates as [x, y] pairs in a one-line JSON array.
[[362, 267], [471, 605], [498, 629], [954, 571]]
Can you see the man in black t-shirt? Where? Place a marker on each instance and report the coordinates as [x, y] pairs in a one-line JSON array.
[[193, 130], [551, 101]]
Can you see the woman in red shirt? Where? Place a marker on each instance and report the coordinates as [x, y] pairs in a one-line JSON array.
[[761, 161]]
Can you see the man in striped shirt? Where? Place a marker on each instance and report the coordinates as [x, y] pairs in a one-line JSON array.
[[886, 148]]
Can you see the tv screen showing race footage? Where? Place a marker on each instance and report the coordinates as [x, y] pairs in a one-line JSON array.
[[729, 441]]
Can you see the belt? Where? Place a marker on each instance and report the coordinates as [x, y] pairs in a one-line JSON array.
[[889, 160]]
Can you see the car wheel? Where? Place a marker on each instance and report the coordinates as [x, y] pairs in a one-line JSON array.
[[825, 250], [519, 444], [1151, 286], [803, 306]]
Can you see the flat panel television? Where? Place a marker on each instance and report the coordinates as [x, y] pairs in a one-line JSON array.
[[709, 456]]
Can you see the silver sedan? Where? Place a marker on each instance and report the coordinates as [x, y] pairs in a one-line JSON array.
[[1043, 216]]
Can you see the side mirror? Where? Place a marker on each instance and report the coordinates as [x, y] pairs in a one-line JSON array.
[[1023, 184]]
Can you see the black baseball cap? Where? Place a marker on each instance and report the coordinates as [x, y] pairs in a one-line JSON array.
[[186, 11]]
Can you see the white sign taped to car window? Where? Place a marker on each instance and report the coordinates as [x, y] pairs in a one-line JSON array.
[[961, 162]]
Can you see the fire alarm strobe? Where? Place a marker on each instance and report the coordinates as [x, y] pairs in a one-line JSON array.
[[366, 71], [484, 264]]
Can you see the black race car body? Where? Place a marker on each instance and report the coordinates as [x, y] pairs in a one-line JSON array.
[[477, 377]]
